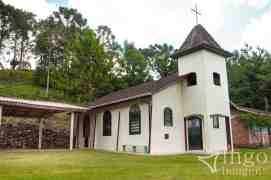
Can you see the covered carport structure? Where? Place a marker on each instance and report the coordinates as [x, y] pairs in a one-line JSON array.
[[14, 107]]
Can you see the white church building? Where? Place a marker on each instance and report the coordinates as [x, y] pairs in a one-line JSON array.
[[185, 112]]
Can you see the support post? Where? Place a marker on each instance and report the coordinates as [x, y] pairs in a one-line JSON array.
[[150, 127], [81, 140], [232, 144], [92, 124], [40, 133], [1, 112], [118, 134], [71, 130]]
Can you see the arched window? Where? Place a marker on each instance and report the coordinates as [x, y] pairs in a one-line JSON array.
[[216, 79], [134, 120], [107, 118], [168, 117]]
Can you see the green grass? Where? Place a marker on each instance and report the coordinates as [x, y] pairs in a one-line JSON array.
[[27, 90], [14, 83], [95, 165]]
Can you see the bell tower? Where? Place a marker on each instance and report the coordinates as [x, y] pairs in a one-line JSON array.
[[206, 92]]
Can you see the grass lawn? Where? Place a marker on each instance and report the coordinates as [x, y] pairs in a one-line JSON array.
[[27, 90], [97, 165]]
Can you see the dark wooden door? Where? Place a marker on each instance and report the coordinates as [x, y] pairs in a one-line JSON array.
[[86, 130], [228, 130], [195, 133]]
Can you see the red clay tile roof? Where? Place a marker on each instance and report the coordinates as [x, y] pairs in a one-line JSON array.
[[142, 90], [198, 39]]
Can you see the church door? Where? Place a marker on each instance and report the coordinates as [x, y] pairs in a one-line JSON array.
[[194, 128]]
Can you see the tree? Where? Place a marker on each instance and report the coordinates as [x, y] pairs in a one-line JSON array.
[[108, 40], [250, 77], [6, 13], [90, 71], [53, 37], [6, 21], [159, 59], [133, 66], [78, 62], [21, 33]]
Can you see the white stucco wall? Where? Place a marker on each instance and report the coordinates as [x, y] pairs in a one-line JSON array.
[[194, 100], [205, 98], [194, 97], [217, 98], [106, 142], [169, 97], [109, 142]]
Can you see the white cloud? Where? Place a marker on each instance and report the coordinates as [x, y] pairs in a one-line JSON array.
[[39, 7], [252, 3], [152, 21], [258, 32]]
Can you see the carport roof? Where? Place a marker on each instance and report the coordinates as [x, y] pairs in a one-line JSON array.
[[33, 108]]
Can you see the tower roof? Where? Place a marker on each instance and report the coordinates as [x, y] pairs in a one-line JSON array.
[[199, 39]]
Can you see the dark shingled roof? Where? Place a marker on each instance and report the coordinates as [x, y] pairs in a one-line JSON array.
[[199, 39], [142, 90]]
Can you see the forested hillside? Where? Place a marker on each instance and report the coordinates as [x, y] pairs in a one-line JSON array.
[[20, 84], [85, 63]]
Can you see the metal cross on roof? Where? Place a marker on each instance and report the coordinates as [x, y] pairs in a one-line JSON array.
[[196, 13]]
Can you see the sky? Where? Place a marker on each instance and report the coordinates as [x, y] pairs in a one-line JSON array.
[[231, 22]]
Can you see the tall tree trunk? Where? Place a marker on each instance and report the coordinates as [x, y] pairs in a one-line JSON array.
[[14, 53], [21, 54]]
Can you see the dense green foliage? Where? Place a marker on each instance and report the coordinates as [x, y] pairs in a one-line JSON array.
[[158, 57], [250, 77]]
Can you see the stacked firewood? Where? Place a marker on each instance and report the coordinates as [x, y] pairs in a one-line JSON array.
[[26, 136]]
